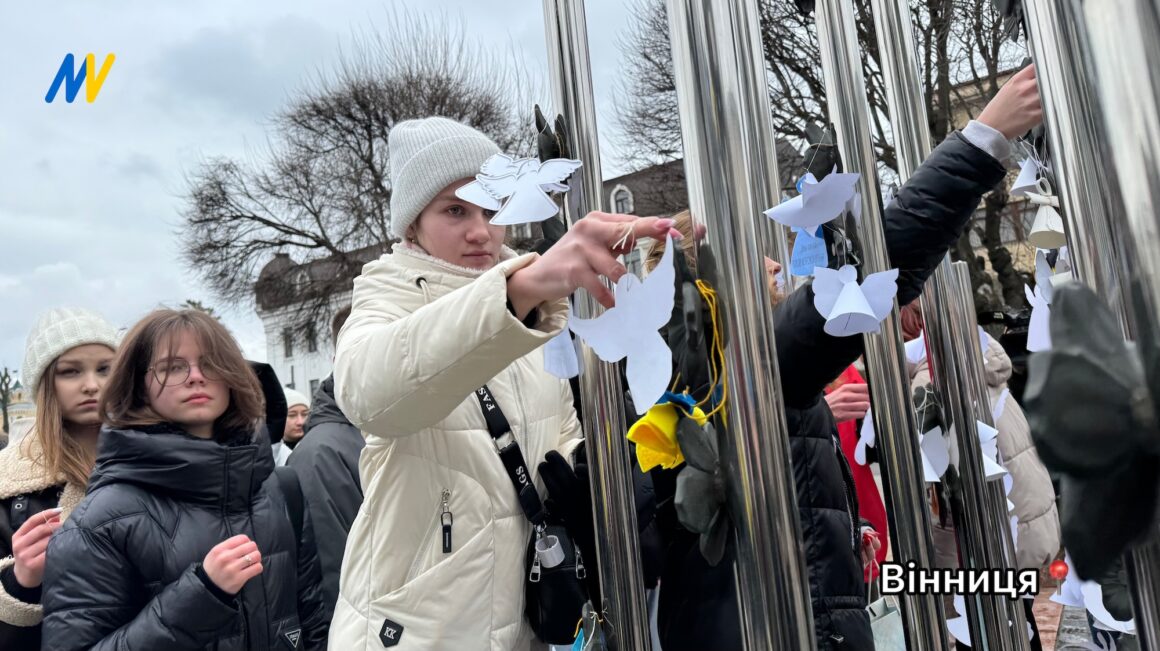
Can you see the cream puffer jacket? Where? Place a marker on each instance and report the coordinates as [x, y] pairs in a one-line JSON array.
[[1037, 531], [422, 336]]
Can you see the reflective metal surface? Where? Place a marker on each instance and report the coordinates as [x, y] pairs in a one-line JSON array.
[[610, 464], [894, 420], [1123, 45], [731, 170], [904, 96]]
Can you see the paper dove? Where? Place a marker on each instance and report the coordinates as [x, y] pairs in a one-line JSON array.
[[497, 165], [630, 329], [850, 308], [819, 201], [936, 457], [560, 356], [524, 184], [1038, 330]]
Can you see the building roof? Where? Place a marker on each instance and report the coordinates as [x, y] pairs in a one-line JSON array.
[[282, 281], [661, 190]]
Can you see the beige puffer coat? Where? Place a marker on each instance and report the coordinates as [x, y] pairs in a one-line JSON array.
[[423, 335], [1038, 537]]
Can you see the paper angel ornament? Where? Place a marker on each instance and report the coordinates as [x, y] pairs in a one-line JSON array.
[[819, 201], [850, 308], [1038, 329], [1047, 229], [1028, 176], [522, 185], [630, 329]]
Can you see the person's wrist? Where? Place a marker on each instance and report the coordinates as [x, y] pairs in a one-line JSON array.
[[521, 293], [23, 578]]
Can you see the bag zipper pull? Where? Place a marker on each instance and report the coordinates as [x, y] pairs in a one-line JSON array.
[[446, 519], [534, 575]]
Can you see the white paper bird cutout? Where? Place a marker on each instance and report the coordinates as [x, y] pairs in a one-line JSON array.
[[1038, 328], [936, 456], [819, 201], [522, 185], [630, 329], [1028, 175], [959, 628], [560, 356], [850, 308], [989, 444], [1077, 593]]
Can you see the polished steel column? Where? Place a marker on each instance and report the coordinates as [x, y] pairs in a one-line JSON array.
[[1123, 45], [731, 170], [951, 372], [894, 419], [618, 547]]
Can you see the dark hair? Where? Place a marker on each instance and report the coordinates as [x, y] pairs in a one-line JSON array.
[[125, 399], [339, 321]]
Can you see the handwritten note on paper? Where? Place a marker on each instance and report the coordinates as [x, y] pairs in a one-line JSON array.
[[809, 251]]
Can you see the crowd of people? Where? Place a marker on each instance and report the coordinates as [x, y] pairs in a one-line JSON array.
[[170, 498]]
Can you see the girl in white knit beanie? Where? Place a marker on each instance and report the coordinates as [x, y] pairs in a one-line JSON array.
[[435, 557], [66, 365]]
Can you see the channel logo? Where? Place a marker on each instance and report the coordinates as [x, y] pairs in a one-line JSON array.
[[72, 79]]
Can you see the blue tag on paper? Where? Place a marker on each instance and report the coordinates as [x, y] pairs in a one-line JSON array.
[[809, 251]]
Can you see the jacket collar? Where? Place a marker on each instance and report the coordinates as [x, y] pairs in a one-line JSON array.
[[166, 460], [21, 475], [439, 277]]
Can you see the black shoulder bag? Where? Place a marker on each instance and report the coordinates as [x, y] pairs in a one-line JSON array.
[[554, 590]]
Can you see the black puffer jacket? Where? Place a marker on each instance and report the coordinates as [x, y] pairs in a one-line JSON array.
[[124, 571], [326, 461], [698, 606]]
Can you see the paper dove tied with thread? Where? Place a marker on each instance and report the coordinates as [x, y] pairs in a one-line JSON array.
[[850, 308], [522, 185], [819, 202], [809, 251], [866, 438], [630, 329]]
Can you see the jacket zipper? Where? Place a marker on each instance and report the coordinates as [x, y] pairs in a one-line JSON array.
[[230, 534], [847, 479], [437, 518]]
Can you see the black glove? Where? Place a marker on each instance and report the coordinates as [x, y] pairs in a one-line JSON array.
[[570, 503]]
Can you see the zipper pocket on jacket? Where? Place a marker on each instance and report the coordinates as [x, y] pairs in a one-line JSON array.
[[442, 515]]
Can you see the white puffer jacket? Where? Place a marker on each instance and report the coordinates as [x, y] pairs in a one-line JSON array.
[[422, 336]]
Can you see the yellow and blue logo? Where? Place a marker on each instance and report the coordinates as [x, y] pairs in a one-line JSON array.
[[72, 78]]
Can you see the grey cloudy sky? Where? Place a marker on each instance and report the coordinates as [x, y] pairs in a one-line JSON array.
[[90, 193]]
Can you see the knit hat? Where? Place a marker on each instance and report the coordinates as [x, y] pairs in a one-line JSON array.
[[295, 398], [58, 331], [426, 156]]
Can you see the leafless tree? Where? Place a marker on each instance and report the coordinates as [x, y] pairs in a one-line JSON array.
[[964, 57], [320, 190]]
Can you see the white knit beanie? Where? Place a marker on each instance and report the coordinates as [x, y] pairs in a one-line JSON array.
[[58, 331], [295, 398], [426, 156]]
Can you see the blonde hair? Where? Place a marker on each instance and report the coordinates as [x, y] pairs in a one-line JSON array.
[[125, 400], [51, 447]]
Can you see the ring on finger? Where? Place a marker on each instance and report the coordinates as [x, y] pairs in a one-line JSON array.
[[248, 559]]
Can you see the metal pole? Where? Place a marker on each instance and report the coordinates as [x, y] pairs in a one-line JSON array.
[[1123, 42], [731, 170], [618, 547], [998, 551], [894, 419], [912, 142]]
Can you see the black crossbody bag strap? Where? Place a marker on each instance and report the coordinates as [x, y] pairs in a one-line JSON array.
[[511, 456]]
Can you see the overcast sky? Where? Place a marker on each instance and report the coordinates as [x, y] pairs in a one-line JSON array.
[[90, 193]]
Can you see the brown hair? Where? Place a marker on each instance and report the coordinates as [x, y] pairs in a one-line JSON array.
[[684, 223], [910, 318], [339, 320], [125, 400], [59, 454]]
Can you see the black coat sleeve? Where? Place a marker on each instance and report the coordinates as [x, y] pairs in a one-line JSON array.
[[312, 612], [921, 224], [333, 497], [92, 601]]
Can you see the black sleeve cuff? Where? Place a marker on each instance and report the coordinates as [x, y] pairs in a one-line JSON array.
[[530, 320], [221, 595], [17, 591]]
